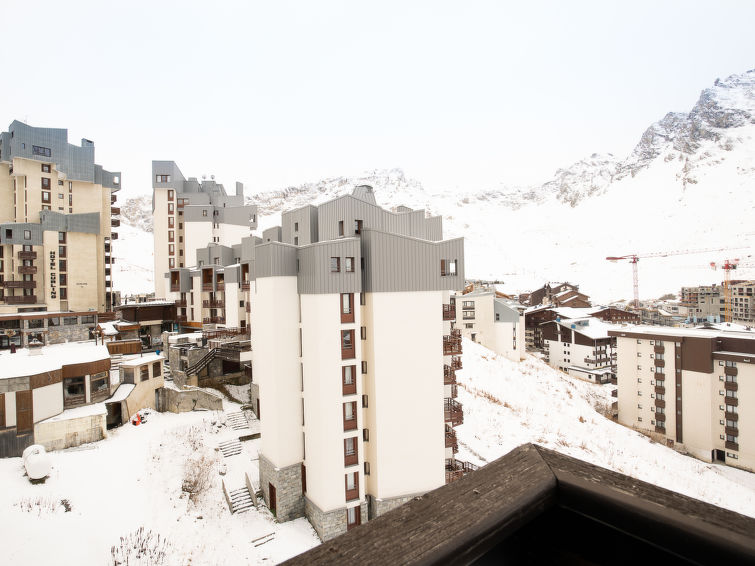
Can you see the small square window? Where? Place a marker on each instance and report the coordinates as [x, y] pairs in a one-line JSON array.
[[335, 264]]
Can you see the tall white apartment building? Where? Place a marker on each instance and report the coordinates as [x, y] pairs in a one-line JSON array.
[[492, 321], [55, 223], [691, 389], [189, 215], [355, 355]]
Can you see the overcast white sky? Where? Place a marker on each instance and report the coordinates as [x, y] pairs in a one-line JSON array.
[[458, 94]]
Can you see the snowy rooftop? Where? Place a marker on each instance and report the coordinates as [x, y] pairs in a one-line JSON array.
[[588, 326], [678, 331], [141, 360], [177, 338], [50, 358], [155, 303], [79, 412]]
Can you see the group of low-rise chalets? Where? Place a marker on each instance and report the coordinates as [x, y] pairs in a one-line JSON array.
[[65, 395]]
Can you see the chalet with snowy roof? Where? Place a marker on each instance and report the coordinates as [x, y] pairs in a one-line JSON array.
[[60, 396], [491, 320], [580, 347], [535, 316], [559, 295]]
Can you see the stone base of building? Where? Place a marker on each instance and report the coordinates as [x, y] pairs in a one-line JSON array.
[[379, 507], [330, 524], [184, 400], [67, 433], [289, 501], [255, 402]]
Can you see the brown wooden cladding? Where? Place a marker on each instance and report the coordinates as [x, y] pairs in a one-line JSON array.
[[679, 397], [660, 417], [731, 386], [136, 313], [47, 378], [732, 445], [660, 363], [731, 344], [86, 368], [730, 370], [24, 411], [2, 410], [731, 416], [124, 347]]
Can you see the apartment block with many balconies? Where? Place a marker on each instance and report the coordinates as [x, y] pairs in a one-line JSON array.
[[55, 223], [692, 389], [189, 215], [355, 357]]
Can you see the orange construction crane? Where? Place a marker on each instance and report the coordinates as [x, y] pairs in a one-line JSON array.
[[728, 265], [634, 259]]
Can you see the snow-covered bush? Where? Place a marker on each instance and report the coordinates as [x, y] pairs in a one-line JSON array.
[[141, 548], [197, 475]]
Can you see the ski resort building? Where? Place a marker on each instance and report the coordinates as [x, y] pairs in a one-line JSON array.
[[56, 223], [559, 295], [692, 389], [580, 347], [492, 321], [189, 215], [355, 356]]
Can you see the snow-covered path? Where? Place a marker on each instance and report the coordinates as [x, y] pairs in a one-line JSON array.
[[507, 404]]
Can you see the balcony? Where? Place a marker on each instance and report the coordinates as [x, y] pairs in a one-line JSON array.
[[614, 380], [451, 441], [114, 210], [731, 416], [659, 363], [181, 318], [115, 222], [729, 385], [245, 285], [20, 284], [660, 403], [660, 427], [614, 393], [731, 430], [113, 198], [175, 288], [27, 255], [451, 345], [221, 285], [27, 269], [248, 307], [455, 363], [732, 445], [455, 469], [453, 412], [454, 391], [730, 370], [660, 389], [449, 375], [22, 300], [660, 417], [449, 312], [598, 360], [114, 235], [180, 302], [659, 349], [207, 286], [213, 304]]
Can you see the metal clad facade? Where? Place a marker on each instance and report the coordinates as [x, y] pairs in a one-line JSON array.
[[272, 234], [275, 259], [315, 276], [396, 263]]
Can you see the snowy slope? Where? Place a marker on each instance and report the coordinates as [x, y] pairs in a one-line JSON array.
[[134, 479], [508, 404], [688, 184]]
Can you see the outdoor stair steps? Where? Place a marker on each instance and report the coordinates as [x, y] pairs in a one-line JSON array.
[[202, 363], [237, 420], [230, 447], [115, 361], [241, 500]]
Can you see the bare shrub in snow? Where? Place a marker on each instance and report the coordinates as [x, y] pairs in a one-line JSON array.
[[582, 419], [141, 548], [603, 408], [197, 475], [44, 505]]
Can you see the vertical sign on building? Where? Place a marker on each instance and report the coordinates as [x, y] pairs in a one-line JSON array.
[[53, 276]]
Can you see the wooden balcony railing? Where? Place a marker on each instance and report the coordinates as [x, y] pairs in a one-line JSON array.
[[455, 469], [21, 300], [732, 445], [207, 286], [451, 440], [248, 307], [730, 370], [115, 222], [451, 346], [175, 287], [245, 285], [449, 312], [214, 304], [27, 269], [455, 363], [27, 255], [221, 285], [453, 412], [181, 318], [449, 375], [180, 302], [20, 284]]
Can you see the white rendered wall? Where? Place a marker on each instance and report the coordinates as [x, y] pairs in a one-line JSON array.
[[47, 401], [626, 374], [10, 409], [231, 234], [160, 235], [196, 235], [404, 382], [275, 335], [324, 399], [699, 409], [232, 298]]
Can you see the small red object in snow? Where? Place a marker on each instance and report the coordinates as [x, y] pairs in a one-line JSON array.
[[137, 420]]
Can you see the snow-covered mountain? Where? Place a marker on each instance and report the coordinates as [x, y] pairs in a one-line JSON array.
[[689, 183]]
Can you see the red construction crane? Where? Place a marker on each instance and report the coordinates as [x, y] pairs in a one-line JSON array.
[[634, 259], [728, 265]]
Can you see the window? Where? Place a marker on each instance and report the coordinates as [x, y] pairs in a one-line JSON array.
[[99, 385], [353, 518], [732, 409], [171, 208], [349, 266], [366, 468], [171, 249], [62, 265], [335, 264], [171, 222], [170, 194], [156, 369], [347, 344], [639, 341], [350, 456], [350, 416], [63, 279], [45, 168], [352, 486], [731, 394], [61, 237], [365, 402], [74, 392], [348, 376], [46, 196], [87, 319], [70, 321], [340, 227], [469, 325], [296, 226], [46, 183], [296, 240], [61, 251], [357, 226], [171, 235], [362, 299], [144, 373], [366, 434], [43, 151], [27, 234], [171, 263], [364, 368], [363, 332], [162, 178], [204, 213]]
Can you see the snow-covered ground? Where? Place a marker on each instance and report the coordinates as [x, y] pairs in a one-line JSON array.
[[507, 404], [133, 479]]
